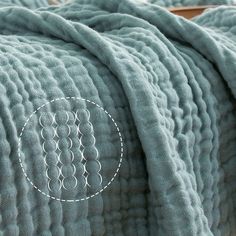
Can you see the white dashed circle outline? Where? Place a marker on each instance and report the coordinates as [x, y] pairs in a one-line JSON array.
[[117, 169]]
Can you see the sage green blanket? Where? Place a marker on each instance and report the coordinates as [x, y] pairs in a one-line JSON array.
[[117, 118]]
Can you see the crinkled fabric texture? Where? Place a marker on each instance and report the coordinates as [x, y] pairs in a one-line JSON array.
[[170, 85], [164, 3], [31, 4], [25, 3]]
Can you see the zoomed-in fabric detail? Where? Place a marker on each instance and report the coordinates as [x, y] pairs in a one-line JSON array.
[[58, 153], [71, 162]]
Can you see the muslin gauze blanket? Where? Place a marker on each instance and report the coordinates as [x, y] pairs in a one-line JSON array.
[[117, 118]]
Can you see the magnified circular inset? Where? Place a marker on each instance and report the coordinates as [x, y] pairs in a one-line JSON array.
[[65, 145]]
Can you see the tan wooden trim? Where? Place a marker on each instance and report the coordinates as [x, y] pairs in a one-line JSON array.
[[189, 12]]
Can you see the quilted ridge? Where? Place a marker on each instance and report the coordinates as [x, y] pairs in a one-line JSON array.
[[171, 92]]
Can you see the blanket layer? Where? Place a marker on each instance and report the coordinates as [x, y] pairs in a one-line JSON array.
[[164, 3], [117, 118]]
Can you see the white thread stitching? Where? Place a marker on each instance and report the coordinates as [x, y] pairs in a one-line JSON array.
[[46, 155]]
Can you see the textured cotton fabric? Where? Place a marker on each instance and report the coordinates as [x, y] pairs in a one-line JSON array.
[[30, 3], [169, 83], [25, 3]]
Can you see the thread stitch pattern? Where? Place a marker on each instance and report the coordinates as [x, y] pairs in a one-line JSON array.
[[89, 151], [51, 159]]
